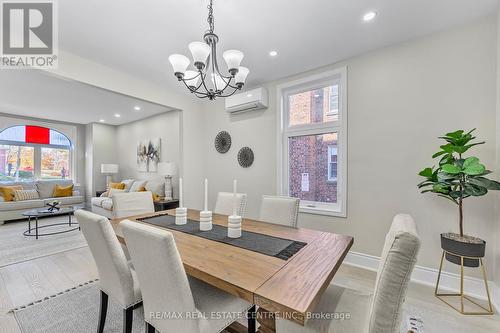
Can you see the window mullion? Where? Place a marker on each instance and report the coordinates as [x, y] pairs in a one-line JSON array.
[[37, 163]]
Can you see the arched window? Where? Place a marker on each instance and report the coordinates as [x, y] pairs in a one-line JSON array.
[[34, 152]]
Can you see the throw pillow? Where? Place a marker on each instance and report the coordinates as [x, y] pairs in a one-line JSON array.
[[128, 183], [62, 191], [136, 186], [21, 195], [118, 186], [113, 191], [7, 192]]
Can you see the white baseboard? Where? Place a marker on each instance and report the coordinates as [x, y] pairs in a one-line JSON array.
[[450, 282]]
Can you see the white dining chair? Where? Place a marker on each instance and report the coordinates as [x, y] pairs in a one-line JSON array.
[[279, 210], [116, 278], [166, 288], [224, 203], [132, 203], [379, 312]]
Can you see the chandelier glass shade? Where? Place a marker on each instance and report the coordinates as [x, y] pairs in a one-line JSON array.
[[205, 80]]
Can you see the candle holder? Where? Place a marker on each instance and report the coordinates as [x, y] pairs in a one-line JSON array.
[[234, 226], [181, 215], [205, 220]]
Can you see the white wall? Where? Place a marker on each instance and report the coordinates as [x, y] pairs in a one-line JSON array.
[[400, 99], [165, 126], [191, 120]]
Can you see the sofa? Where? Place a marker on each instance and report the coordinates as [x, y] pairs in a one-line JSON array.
[[12, 210], [103, 205]]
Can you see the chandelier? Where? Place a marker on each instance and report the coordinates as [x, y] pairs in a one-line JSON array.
[[207, 81]]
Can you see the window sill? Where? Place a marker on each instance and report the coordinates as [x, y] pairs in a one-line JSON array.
[[322, 211]]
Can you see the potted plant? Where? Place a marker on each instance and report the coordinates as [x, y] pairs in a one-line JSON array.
[[456, 178]]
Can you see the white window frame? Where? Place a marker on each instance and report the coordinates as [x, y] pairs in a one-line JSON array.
[[37, 156], [330, 148], [329, 112], [324, 79]]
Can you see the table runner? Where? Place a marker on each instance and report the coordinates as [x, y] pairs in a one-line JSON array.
[[269, 245]]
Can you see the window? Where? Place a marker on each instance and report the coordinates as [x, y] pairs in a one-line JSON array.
[[312, 143], [33, 152], [332, 163]]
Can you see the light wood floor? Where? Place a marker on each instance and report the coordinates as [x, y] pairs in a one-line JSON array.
[[29, 281]]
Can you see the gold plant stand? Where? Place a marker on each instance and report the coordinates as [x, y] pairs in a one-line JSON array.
[[462, 296]]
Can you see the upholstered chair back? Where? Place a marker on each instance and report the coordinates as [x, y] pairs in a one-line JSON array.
[[132, 203], [115, 278], [224, 203], [279, 210], [397, 261], [164, 283]]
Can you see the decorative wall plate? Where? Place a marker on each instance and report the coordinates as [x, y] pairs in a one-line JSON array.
[[245, 157], [222, 142]]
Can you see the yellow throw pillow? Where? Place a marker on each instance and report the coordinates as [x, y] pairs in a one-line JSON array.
[[62, 191], [7, 192], [118, 186]]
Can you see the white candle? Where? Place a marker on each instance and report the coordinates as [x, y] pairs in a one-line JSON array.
[[180, 193], [234, 197], [206, 194]]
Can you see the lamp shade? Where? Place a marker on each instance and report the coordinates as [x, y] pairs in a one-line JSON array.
[[233, 58], [109, 168], [167, 168], [218, 82], [179, 63], [241, 76], [199, 51]]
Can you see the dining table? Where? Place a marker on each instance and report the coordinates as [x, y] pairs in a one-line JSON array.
[[288, 288]]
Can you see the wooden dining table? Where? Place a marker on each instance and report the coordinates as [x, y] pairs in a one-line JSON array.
[[289, 288]]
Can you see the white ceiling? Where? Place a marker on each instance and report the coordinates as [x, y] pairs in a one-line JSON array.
[[138, 36], [37, 94]]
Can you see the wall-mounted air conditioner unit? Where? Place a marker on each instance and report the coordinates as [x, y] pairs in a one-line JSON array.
[[249, 100]]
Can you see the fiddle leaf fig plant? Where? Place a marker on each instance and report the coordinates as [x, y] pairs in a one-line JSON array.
[[456, 177]]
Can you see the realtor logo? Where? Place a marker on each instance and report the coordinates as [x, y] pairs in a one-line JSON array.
[[29, 34]]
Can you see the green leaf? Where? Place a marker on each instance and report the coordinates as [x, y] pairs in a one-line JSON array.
[[455, 134], [470, 161], [475, 190], [441, 188], [474, 169], [439, 153], [447, 148], [484, 182], [427, 172], [450, 168]]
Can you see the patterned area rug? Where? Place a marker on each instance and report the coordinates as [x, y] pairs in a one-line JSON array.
[[15, 247]]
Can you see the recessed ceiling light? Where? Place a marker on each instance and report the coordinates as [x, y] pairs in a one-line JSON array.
[[117, 115], [273, 53], [249, 95], [369, 16], [101, 120], [137, 108]]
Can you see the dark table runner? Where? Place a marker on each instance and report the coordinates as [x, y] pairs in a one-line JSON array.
[[268, 245]]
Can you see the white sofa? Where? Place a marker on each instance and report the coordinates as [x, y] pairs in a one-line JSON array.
[[12, 210], [103, 205]]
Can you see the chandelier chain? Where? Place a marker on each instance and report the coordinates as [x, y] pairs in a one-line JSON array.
[[211, 17]]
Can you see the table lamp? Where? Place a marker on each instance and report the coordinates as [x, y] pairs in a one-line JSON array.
[[109, 170], [168, 170]]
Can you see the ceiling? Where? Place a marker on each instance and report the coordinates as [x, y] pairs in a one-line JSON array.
[[138, 36], [37, 94]]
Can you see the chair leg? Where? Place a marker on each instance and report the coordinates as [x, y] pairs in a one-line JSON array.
[[149, 328], [127, 319], [251, 319], [102, 312]]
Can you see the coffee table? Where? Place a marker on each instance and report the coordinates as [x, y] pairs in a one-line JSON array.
[[43, 212]]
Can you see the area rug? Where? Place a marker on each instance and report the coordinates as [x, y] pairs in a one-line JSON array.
[[15, 247], [74, 311]]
